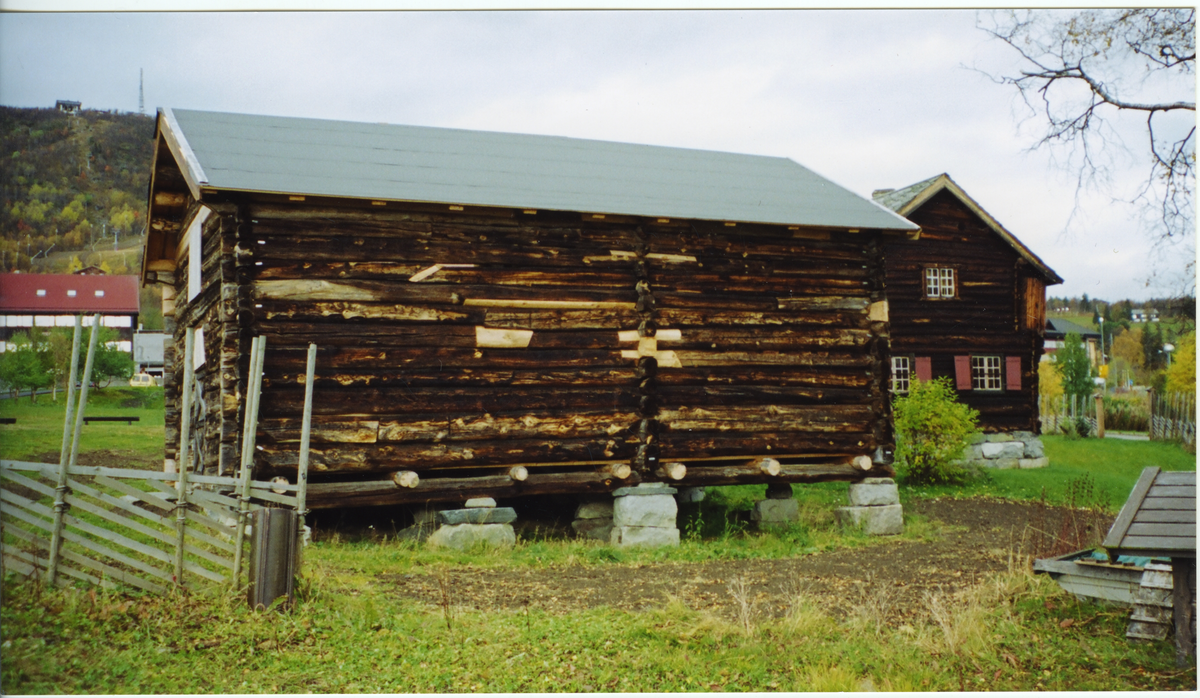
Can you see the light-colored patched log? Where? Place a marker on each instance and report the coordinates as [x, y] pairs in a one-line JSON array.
[[666, 359], [349, 311], [394, 430], [620, 471], [671, 258], [769, 466], [519, 473], [819, 303], [878, 312], [430, 271], [314, 290], [671, 335], [612, 256], [546, 304], [672, 471], [525, 426], [287, 430], [502, 339]]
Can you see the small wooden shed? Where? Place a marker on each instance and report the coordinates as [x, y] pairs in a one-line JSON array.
[[968, 301], [1159, 520], [508, 314]]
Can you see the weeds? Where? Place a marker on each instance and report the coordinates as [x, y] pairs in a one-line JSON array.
[[745, 604]]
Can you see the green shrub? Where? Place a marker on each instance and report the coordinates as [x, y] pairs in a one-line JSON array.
[[1126, 413], [932, 429]]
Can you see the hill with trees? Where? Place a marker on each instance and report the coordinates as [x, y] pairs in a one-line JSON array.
[[73, 184]]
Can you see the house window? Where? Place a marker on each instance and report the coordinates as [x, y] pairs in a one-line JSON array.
[[99, 293], [986, 373], [901, 374], [940, 282], [41, 292], [71, 293]]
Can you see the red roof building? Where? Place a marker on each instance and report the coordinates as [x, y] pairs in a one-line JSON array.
[[52, 300]]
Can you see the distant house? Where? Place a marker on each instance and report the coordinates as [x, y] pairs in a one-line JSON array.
[[148, 352], [1143, 315], [967, 301], [53, 300], [90, 269], [67, 106], [1057, 331]]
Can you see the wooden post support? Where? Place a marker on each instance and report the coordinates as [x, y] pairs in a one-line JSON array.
[[60, 492], [406, 478], [1099, 416], [185, 431], [305, 436], [620, 471], [862, 462], [1183, 573], [60, 495]]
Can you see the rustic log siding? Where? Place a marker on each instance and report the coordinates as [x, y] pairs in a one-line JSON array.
[[631, 342], [996, 294]]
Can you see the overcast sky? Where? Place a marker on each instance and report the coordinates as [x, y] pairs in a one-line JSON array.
[[868, 98]]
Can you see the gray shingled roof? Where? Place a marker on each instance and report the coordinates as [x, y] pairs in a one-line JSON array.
[[240, 152]]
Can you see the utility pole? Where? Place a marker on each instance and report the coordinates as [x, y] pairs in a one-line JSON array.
[[141, 91]]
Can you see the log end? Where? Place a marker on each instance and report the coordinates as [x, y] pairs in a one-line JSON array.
[[674, 471], [620, 471], [862, 462], [519, 473], [406, 478], [770, 466]]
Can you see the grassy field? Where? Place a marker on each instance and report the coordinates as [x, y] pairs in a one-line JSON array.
[[39, 427], [354, 631]]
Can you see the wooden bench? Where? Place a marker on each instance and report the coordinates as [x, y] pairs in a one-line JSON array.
[[127, 420], [8, 420]]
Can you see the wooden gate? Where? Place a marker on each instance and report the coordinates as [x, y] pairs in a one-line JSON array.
[[127, 527]]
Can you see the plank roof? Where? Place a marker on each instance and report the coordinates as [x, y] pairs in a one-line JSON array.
[[908, 199], [1159, 518], [312, 157]]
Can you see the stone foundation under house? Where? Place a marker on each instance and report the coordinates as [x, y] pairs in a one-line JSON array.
[[1017, 449]]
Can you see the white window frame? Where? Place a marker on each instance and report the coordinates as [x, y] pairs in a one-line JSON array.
[[941, 282], [987, 373], [902, 374]]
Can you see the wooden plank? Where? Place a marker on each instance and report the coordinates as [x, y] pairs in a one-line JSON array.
[[119, 519], [62, 569], [1173, 530], [1160, 490], [39, 487], [73, 537], [119, 575], [1132, 504], [1160, 503], [213, 499], [81, 488], [148, 497], [51, 470], [216, 480], [1159, 543], [1165, 516], [1176, 477], [267, 495]]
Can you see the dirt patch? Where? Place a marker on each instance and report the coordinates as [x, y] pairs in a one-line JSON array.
[[106, 458], [978, 540]]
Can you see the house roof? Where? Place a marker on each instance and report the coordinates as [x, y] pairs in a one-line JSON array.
[[1159, 518], [268, 154], [909, 199], [1057, 328], [68, 293]]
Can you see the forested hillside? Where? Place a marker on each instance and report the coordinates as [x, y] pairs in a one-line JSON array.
[[74, 185]]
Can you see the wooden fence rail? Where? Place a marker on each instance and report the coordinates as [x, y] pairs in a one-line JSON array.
[[145, 529], [121, 526], [1060, 412], [1173, 417]]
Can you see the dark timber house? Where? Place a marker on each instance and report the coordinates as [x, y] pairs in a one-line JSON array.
[[509, 314], [967, 301]]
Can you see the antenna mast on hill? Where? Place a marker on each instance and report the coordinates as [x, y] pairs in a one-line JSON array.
[[141, 91]]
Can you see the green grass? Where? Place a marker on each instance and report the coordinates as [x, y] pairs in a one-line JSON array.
[[1112, 465], [39, 426], [354, 635]]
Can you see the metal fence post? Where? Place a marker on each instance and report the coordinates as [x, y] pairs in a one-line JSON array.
[[250, 428], [65, 462], [305, 435]]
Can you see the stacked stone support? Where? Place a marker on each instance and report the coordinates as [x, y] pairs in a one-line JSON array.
[[644, 516], [779, 510], [874, 506], [1018, 449], [480, 522], [594, 520]]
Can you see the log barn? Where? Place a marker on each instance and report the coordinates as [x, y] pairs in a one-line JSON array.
[[968, 301], [502, 315]]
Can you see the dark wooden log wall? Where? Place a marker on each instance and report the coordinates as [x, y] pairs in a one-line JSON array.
[[1000, 309], [460, 344]]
